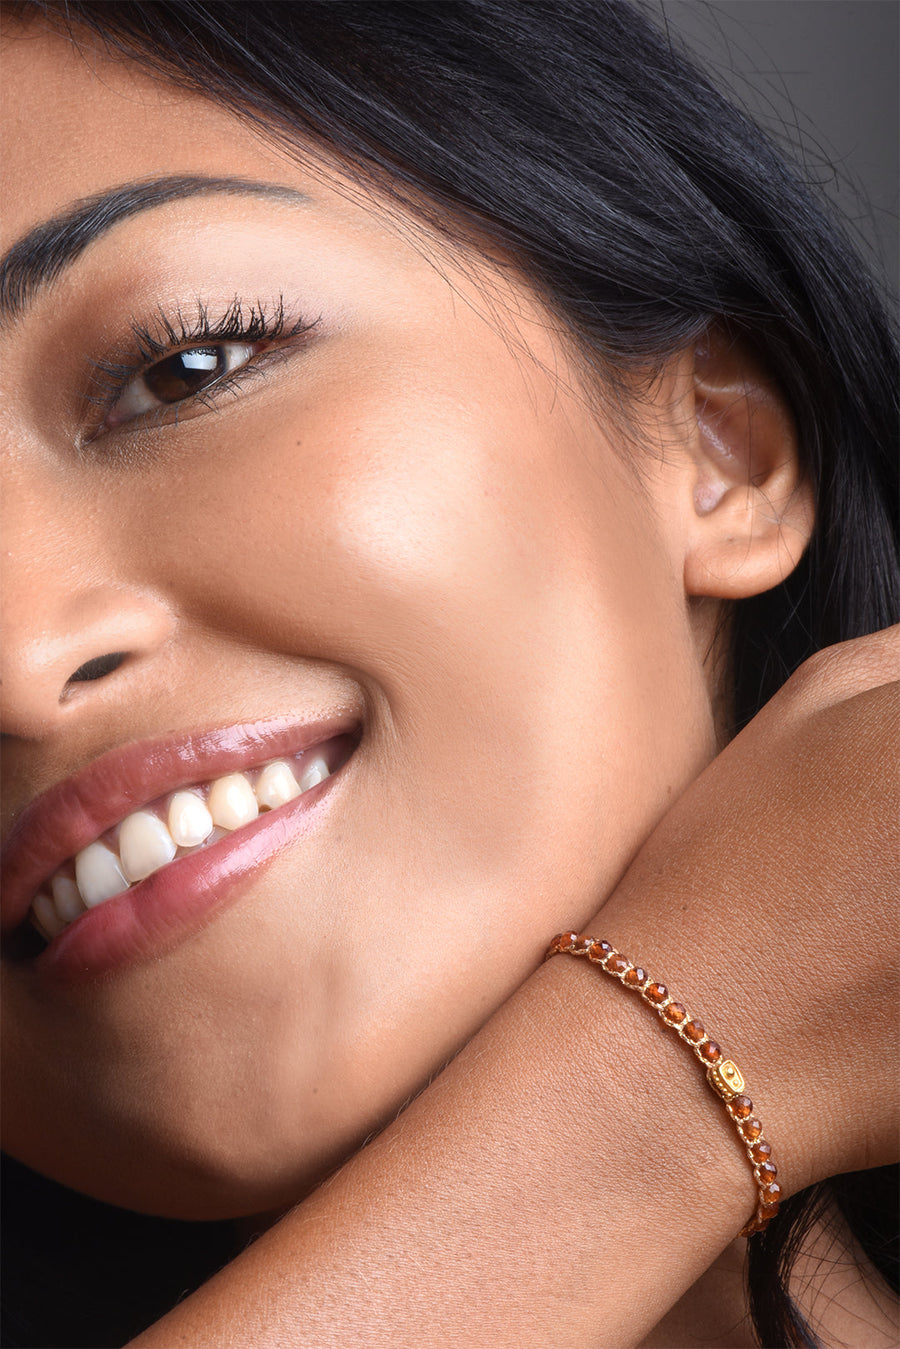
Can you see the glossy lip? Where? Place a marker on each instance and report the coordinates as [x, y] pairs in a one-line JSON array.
[[179, 899], [73, 813]]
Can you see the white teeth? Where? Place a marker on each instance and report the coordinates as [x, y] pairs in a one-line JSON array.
[[314, 772], [190, 823], [98, 874], [145, 845], [231, 801], [276, 785], [66, 898], [48, 919]]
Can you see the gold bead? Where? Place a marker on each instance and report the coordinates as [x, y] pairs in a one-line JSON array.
[[726, 1079]]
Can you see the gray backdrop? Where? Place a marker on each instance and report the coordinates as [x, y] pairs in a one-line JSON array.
[[824, 75]]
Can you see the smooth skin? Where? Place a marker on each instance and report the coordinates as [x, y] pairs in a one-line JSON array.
[[422, 514]]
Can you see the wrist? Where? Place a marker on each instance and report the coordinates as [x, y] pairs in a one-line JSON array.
[[722, 1073]]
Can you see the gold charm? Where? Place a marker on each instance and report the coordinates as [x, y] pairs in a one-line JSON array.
[[726, 1079]]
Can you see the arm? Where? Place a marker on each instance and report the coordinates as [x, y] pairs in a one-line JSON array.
[[570, 1174]]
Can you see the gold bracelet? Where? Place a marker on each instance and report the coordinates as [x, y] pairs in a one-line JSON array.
[[722, 1074]]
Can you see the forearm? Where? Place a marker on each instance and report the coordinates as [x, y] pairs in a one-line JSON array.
[[564, 1181]]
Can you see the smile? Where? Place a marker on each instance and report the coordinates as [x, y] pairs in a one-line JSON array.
[[164, 831], [144, 846]]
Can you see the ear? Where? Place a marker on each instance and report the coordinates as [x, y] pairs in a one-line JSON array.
[[752, 508]]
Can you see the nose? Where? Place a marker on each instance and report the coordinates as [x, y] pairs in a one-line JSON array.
[[64, 644], [75, 615]]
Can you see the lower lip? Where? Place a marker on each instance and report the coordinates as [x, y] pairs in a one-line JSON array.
[[180, 899]]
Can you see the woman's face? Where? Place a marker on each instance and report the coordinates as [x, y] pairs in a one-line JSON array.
[[411, 527]]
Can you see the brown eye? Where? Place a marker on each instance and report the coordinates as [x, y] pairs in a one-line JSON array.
[[178, 377], [185, 373]]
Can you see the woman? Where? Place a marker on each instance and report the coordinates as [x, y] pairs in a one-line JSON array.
[[573, 443]]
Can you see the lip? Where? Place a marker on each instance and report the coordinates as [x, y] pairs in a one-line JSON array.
[[73, 813], [178, 900]]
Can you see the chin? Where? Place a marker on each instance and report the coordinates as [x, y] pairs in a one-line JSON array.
[[206, 1159], [215, 1184]]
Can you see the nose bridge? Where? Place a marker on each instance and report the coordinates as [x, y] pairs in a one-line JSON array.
[[69, 618]]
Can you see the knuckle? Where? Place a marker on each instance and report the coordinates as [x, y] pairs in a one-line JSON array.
[[848, 668]]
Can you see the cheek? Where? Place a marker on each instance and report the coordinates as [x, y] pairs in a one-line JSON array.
[[377, 529], [488, 572], [349, 537]]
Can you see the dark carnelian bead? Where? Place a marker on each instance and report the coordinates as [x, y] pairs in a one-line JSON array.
[[711, 1051], [617, 964], [761, 1151], [656, 992], [581, 944], [751, 1128], [599, 950], [741, 1107], [635, 976], [767, 1171], [771, 1194], [565, 941], [675, 1013], [770, 1210], [694, 1030]]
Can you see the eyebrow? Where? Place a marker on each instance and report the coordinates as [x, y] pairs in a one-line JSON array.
[[41, 256]]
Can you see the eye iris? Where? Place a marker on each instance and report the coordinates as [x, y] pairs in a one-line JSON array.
[[185, 373]]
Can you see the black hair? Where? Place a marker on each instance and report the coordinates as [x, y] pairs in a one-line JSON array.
[[578, 141]]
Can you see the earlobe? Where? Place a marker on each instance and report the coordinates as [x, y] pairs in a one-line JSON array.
[[751, 513]]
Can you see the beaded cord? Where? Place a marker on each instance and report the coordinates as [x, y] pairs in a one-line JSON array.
[[722, 1074]]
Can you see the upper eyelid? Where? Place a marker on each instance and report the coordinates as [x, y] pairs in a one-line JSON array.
[[162, 333]]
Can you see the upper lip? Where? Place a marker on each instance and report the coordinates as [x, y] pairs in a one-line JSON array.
[[73, 813]]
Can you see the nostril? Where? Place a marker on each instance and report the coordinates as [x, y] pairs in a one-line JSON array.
[[97, 668]]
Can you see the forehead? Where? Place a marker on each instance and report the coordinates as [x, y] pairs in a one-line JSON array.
[[93, 122]]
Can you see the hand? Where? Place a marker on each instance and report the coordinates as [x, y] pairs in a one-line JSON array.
[[782, 867]]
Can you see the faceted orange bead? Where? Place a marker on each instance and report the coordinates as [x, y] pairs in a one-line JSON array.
[[675, 1013], [565, 941], [712, 1053], [767, 1171], [617, 964], [761, 1151], [771, 1194], [599, 950], [741, 1107], [635, 976], [656, 992], [581, 943], [694, 1030], [751, 1128], [771, 1209]]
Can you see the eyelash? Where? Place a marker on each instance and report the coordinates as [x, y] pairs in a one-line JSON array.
[[167, 336]]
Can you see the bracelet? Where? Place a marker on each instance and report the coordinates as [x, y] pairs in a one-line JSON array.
[[722, 1074]]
